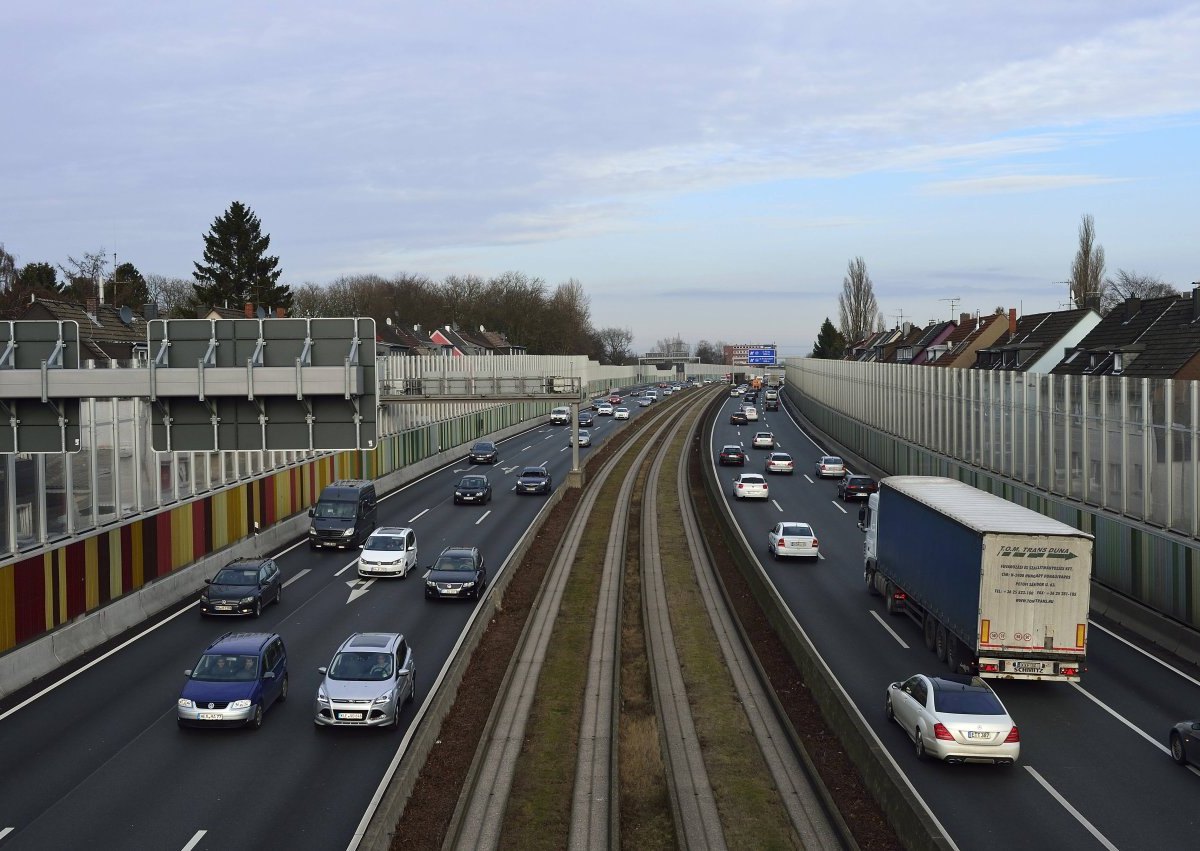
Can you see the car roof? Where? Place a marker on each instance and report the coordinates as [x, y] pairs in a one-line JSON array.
[[240, 642], [247, 562], [392, 531], [529, 470], [371, 641], [731, 446], [959, 682], [454, 551]]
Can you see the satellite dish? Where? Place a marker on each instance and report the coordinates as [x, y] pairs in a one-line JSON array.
[[260, 312], [126, 314]]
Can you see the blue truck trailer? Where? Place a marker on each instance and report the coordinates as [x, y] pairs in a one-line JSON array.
[[997, 589]]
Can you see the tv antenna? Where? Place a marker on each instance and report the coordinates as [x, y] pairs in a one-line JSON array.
[[899, 318], [953, 304]]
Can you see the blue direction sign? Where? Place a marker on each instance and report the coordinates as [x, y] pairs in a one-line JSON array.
[[761, 357]]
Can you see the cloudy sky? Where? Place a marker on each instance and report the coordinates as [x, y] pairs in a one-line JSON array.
[[706, 169]]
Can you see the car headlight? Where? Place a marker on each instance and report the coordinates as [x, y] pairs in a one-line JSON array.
[[312, 531], [322, 697], [384, 698], [246, 600], [429, 583], [204, 597], [240, 704], [458, 493], [348, 532], [184, 703], [470, 584]]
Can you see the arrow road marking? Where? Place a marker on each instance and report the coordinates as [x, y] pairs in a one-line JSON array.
[[358, 587], [507, 471]]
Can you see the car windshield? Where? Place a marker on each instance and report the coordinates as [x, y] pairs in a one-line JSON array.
[[236, 576], [482, 447], [795, 530], [338, 509], [533, 474], [973, 702], [473, 482], [454, 563], [226, 667], [386, 543], [361, 665]]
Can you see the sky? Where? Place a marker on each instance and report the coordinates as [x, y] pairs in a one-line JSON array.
[[703, 169]]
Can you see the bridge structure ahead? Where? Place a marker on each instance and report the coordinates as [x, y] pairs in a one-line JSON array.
[[239, 384]]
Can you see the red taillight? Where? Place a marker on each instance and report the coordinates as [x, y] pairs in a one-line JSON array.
[[781, 543], [940, 732], [899, 595], [740, 486], [1068, 672], [814, 543], [1013, 736], [989, 667]]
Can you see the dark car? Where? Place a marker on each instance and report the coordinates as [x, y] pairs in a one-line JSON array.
[[458, 572], [475, 489], [751, 397], [534, 480], [738, 417], [586, 419], [344, 515], [732, 454], [856, 487], [483, 452], [242, 587], [1185, 742], [771, 405], [234, 682]]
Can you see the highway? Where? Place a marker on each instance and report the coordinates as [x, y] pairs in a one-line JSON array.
[[93, 755], [1094, 770]]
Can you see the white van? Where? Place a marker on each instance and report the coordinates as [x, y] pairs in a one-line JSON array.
[[390, 551], [651, 394], [560, 416]]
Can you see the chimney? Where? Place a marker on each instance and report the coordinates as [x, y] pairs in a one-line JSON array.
[[249, 310], [1195, 302], [92, 306], [963, 319], [149, 311], [1132, 306], [1012, 320], [280, 312]]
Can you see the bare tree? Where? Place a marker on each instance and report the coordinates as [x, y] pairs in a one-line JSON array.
[[1132, 285], [617, 344], [673, 346], [172, 295], [8, 270], [713, 352], [1087, 269], [859, 311], [84, 275]]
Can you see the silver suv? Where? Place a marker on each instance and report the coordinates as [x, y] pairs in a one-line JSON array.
[[370, 676]]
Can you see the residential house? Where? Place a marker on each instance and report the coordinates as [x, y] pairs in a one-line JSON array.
[[971, 334], [1036, 342], [913, 348], [456, 342], [106, 333]]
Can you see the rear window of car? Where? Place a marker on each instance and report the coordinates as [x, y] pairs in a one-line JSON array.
[[780, 456], [860, 481], [967, 702], [796, 530], [831, 460], [753, 480]]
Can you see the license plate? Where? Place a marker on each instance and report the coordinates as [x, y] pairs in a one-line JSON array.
[[350, 716], [978, 734], [210, 716], [223, 608], [1029, 667]]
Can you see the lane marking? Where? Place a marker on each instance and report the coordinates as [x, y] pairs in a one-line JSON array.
[[6, 831], [1166, 665], [98, 660], [810, 481], [195, 840], [777, 505], [297, 576], [358, 587], [482, 516], [891, 631], [347, 567], [1119, 717], [839, 506], [419, 516], [1067, 806]]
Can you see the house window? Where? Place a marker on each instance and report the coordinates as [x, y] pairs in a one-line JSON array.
[[1118, 363]]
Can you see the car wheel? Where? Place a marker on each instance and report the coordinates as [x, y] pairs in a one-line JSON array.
[[920, 745], [412, 692], [279, 594], [1177, 752], [888, 712], [283, 689], [258, 607], [256, 722]]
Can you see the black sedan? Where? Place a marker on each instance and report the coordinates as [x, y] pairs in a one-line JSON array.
[[1185, 742], [242, 587], [586, 419], [534, 480], [732, 454], [473, 489], [483, 452], [738, 417]]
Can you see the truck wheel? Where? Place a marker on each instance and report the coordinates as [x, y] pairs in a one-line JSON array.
[[930, 626], [890, 599], [940, 642], [954, 654], [869, 577]]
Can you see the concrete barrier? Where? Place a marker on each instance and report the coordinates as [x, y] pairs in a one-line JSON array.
[[35, 659]]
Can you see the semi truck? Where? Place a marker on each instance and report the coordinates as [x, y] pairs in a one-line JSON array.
[[997, 589]]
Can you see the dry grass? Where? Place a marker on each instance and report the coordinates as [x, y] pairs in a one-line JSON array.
[[752, 813]]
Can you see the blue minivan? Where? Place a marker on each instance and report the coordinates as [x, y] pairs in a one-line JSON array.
[[235, 681]]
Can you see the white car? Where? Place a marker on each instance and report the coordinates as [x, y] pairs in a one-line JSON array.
[[389, 551], [793, 539], [604, 409], [735, 391], [750, 486], [954, 718], [644, 402], [830, 466], [585, 438], [620, 413], [763, 440], [751, 413], [780, 462]]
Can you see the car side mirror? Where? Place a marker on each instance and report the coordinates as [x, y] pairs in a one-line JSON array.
[[188, 672], [362, 546], [208, 582], [312, 511], [322, 670], [269, 675]]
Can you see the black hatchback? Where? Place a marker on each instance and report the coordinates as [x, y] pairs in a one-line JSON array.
[[473, 489], [242, 587], [856, 487]]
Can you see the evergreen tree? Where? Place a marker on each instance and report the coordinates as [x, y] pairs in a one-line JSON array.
[[127, 287], [830, 345], [236, 267]]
